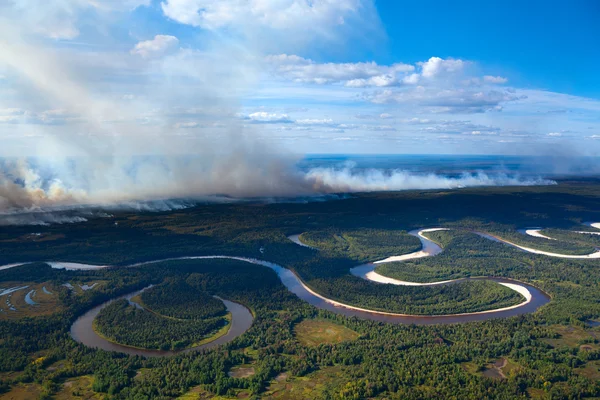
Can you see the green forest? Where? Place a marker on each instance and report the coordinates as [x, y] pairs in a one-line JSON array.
[[126, 324], [178, 299], [553, 353], [456, 298], [361, 245]]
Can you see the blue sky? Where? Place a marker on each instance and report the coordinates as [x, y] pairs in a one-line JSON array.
[[80, 77], [545, 44]]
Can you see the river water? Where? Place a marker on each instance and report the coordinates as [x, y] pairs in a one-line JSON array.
[[82, 330]]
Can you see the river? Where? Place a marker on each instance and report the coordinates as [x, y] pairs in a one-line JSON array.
[[82, 330]]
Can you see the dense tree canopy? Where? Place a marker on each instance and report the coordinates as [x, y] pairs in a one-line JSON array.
[[177, 299], [552, 353]]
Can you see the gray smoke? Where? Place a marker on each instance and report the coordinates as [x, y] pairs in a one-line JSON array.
[[107, 152], [150, 184]]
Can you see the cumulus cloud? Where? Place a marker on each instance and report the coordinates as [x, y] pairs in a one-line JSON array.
[[279, 24], [156, 47], [435, 72], [114, 106], [411, 79], [437, 66]]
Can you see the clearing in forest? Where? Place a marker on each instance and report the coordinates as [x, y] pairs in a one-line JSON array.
[[313, 332]]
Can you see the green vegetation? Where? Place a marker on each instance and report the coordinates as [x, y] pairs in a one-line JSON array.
[[369, 244], [465, 255], [457, 298], [582, 239], [315, 385], [315, 332], [554, 354], [126, 324], [177, 299], [361, 245], [79, 387], [568, 246]]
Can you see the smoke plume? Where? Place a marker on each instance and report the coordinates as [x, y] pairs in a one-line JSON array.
[[84, 145]]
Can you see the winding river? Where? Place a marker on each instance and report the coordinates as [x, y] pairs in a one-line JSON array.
[[593, 255], [534, 298], [82, 330]]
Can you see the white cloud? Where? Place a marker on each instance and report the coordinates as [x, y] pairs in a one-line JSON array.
[[555, 134], [197, 85], [343, 138], [378, 81], [360, 74], [156, 47], [279, 14], [447, 100], [411, 79], [436, 66], [446, 73], [494, 79], [267, 118], [416, 121]]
